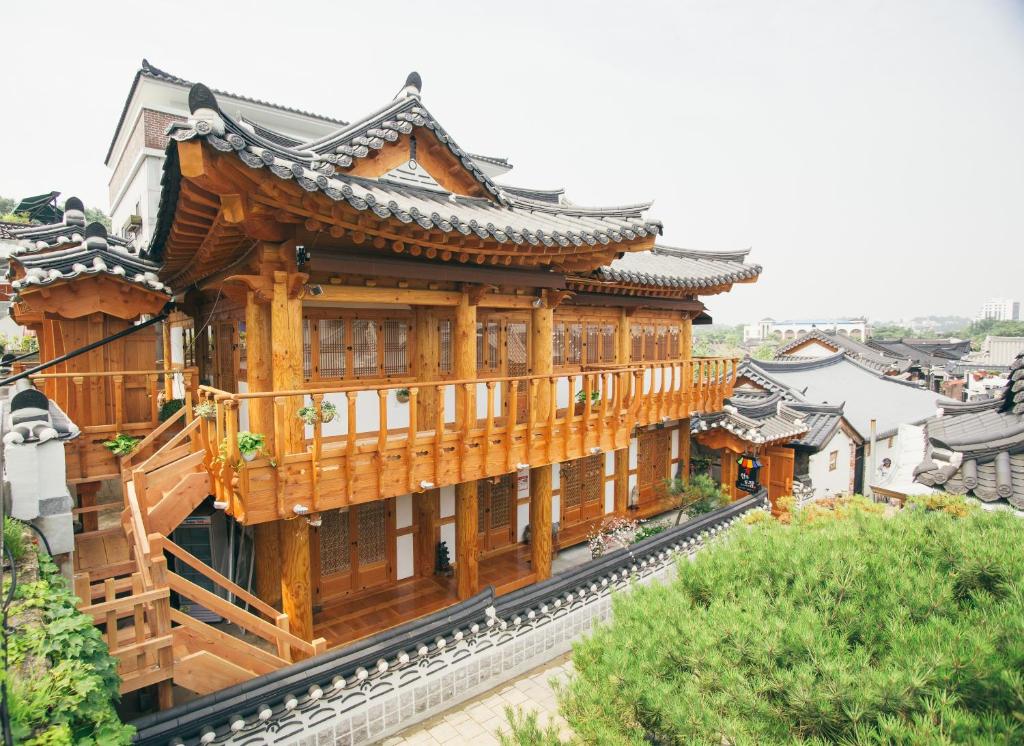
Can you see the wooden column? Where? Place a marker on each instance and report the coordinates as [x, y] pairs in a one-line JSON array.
[[466, 494], [428, 368], [466, 550], [540, 521], [542, 330], [168, 363], [259, 348], [684, 448], [686, 342], [286, 342], [623, 356]]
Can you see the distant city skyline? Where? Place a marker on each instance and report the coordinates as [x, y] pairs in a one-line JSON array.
[[869, 153]]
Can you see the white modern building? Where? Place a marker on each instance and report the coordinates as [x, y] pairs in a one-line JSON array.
[[999, 309], [768, 328]]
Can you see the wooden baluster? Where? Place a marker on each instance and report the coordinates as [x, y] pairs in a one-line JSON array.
[[118, 403], [189, 394], [161, 626], [382, 438], [438, 433], [488, 428], [280, 436], [410, 440], [77, 411], [231, 433], [552, 414], [636, 395], [531, 418], [284, 650], [139, 623], [218, 439], [512, 395], [109, 594], [350, 444], [317, 454], [602, 406], [671, 408], [154, 391], [588, 406], [468, 418]]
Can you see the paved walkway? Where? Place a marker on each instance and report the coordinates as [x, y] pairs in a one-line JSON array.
[[478, 721]]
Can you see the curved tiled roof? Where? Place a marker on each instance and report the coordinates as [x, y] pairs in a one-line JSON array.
[[978, 448], [507, 218], [756, 420], [670, 267], [868, 355]]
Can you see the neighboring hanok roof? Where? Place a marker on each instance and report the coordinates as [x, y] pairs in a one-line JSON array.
[[924, 352], [977, 448], [758, 421], [515, 228], [66, 250], [865, 393], [666, 270], [822, 421], [839, 342]]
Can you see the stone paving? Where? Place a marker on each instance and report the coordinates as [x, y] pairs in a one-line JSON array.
[[479, 720]]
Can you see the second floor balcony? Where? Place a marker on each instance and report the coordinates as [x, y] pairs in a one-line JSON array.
[[330, 447]]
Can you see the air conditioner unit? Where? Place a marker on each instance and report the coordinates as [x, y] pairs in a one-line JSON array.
[[132, 225]]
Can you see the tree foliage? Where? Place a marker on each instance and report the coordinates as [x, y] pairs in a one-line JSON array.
[[859, 629]]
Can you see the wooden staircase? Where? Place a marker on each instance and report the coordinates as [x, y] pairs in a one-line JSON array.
[[154, 642]]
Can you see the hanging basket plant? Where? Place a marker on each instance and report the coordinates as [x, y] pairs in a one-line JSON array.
[[206, 409], [250, 444], [122, 445], [327, 411], [308, 415], [402, 395]]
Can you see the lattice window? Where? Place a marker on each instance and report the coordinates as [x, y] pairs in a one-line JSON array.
[[334, 544], [581, 481], [558, 344], [331, 335], [650, 348], [370, 522], [502, 500], [673, 342], [444, 333], [307, 350], [637, 342], [574, 344], [487, 346], [607, 343], [364, 347], [660, 343], [396, 359]]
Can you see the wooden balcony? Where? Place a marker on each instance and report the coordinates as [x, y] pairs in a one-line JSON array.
[[480, 428]]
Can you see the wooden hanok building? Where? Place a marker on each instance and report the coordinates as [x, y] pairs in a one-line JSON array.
[[438, 365]]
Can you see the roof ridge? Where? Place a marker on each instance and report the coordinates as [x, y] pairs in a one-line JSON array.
[[721, 256]]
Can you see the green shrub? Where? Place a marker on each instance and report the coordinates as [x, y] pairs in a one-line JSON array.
[[647, 530], [170, 408], [524, 730], [700, 495], [63, 681], [14, 538], [955, 505], [866, 630], [122, 445]]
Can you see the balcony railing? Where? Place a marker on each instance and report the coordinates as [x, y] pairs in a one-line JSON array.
[[377, 446]]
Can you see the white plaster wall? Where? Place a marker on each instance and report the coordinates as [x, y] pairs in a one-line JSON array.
[[609, 463], [523, 519], [632, 453], [609, 496], [404, 559], [447, 506], [448, 537], [827, 482], [403, 511], [882, 450], [814, 349], [243, 408], [675, 444], [367, 414]]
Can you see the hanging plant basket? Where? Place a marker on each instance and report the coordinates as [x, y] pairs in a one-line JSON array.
[[328, 411], [308, 415], [206, 410], [402, 395]]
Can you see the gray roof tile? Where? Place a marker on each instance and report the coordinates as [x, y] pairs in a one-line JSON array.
[[670, 267]]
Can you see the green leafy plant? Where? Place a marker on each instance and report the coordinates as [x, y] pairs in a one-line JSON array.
[[122, 445], [954, 505], [251, 442], [308, 414], [63, 682], [205, 409], [649, 529], [14, 537], [524, 730], [170, 408], [328, 411], [700, 495], [871, 628], [581, 397], [402, 395]]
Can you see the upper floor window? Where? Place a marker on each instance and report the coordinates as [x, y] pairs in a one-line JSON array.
[[355, 346]]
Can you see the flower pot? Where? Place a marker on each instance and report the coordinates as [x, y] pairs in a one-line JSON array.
[[327, 416], [248, 455]]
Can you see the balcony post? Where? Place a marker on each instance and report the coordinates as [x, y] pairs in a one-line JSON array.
[[623, 356], [467, 509], [286, 338], [260, 373], [541, 363], [466, 493], [541, 357]]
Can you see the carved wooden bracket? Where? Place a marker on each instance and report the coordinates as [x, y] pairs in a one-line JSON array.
[[553, 298], [261, 285], [477, 292]]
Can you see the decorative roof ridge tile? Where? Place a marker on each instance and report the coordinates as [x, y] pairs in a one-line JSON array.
[[721, 256], [94, 257]]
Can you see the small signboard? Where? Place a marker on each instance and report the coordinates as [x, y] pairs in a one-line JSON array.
[[748, 473]]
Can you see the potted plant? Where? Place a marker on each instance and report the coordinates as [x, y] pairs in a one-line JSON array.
[[250, 444], [207, 409], [308, 415], [122, 445], [581, 400], [170, 408], [402, 395], [328, 411]]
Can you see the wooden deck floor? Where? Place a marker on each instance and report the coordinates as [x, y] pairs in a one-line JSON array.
[[347, 619], [102, 553]]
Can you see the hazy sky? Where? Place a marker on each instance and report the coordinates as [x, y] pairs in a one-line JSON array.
[[870, 153]]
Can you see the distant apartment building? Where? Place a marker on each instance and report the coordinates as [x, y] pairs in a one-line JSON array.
[[767, 328], [1000, 309]]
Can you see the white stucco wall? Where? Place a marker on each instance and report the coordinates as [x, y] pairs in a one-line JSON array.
[[829, 483]]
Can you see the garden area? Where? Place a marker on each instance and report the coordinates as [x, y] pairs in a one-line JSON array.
[[60, 682], [842, 623]]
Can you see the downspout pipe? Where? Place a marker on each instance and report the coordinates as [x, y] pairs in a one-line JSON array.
[[82, 350]]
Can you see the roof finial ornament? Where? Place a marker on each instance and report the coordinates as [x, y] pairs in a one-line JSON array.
[[96, 236], [206, 116], [74, 212], [413, 86]]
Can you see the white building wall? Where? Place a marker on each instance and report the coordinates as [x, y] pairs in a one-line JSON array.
[[826, 482]]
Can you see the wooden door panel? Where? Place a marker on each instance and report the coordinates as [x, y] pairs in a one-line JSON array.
[[335, 553], [654, 459], [496, 513], [371, 532], [779, 478], [581, 489], [355, 548]]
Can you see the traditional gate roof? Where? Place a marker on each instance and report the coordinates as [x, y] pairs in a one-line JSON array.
[[348, 167], [977, 448], [763, 420]]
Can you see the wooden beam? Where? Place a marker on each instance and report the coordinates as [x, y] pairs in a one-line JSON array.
[[404, 296], [621, 481], [628, 301], [540, 521], [425, 270]]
